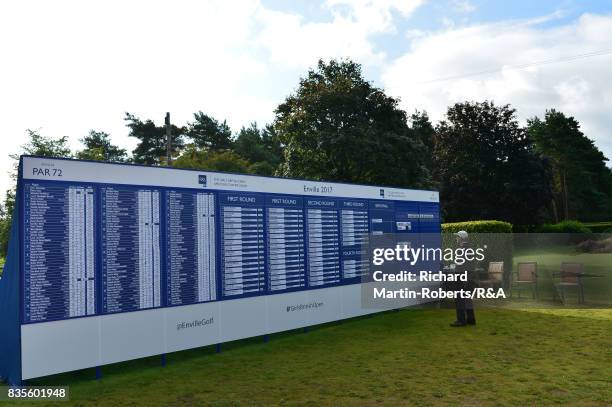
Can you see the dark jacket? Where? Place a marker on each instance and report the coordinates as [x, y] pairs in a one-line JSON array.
[[470, 268]]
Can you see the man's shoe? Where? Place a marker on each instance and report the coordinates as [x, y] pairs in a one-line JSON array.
[[471, 322], [457, 324]]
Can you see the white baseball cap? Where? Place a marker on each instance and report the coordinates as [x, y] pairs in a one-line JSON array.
[[462, 234]]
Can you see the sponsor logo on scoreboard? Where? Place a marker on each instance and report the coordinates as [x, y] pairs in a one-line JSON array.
[[202, 180]]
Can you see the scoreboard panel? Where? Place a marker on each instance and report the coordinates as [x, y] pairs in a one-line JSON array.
[[122, 261], [152, 257]]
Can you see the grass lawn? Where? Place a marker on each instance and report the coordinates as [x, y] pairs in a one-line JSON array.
[[412, 357]]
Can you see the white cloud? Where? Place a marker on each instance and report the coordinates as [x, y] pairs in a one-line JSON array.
[[71, 66], [68, 67], [582, 88], [293, 42], [414, 33], [463, 6], [375, 15]]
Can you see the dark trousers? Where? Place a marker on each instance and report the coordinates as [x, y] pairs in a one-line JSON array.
[[465, 310]]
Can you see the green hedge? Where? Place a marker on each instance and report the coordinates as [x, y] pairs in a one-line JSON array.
[[600, 227], [478, 226], [567, 226], [495, 226]]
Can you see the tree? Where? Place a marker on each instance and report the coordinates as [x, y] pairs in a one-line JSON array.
[[337, 126], [6, 218], [226, 161], [207, 133], [424, 131], [99, 147], [39, 146], [487, 168], [151, 148], [583, 183], [261, 147], [45, 146]]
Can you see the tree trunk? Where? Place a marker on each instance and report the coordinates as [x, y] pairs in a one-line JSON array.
[[565, 195], [554, 210]]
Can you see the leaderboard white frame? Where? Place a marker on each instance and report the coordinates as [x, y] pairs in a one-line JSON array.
[[71, 344]]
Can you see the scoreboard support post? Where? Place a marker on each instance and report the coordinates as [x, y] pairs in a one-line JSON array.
[[10, 329]]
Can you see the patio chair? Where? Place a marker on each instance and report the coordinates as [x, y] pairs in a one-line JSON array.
[[495, 275], [570, 276], [526, 274]]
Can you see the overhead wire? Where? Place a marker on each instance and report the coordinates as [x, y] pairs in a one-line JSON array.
[[521, 66]]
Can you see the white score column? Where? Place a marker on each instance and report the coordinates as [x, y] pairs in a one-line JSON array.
[[206, 247], [148, 248], [155, 249], [232, 249], [81, 261], [323, 242], [90, 287], [75, 248]]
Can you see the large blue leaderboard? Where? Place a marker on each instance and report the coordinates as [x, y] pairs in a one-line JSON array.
[[95, 248], [112, 262]]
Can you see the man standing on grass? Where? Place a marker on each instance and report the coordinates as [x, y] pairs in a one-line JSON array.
[[464, 306]]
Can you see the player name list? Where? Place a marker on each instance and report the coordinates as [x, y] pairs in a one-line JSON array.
[[131, 260], [191, 258], [59, 266]]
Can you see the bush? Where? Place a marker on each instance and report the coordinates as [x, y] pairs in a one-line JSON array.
[[600, 227], [567, 226], [478, 226]]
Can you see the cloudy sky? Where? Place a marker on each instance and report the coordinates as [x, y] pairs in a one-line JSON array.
[[70, 66]]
